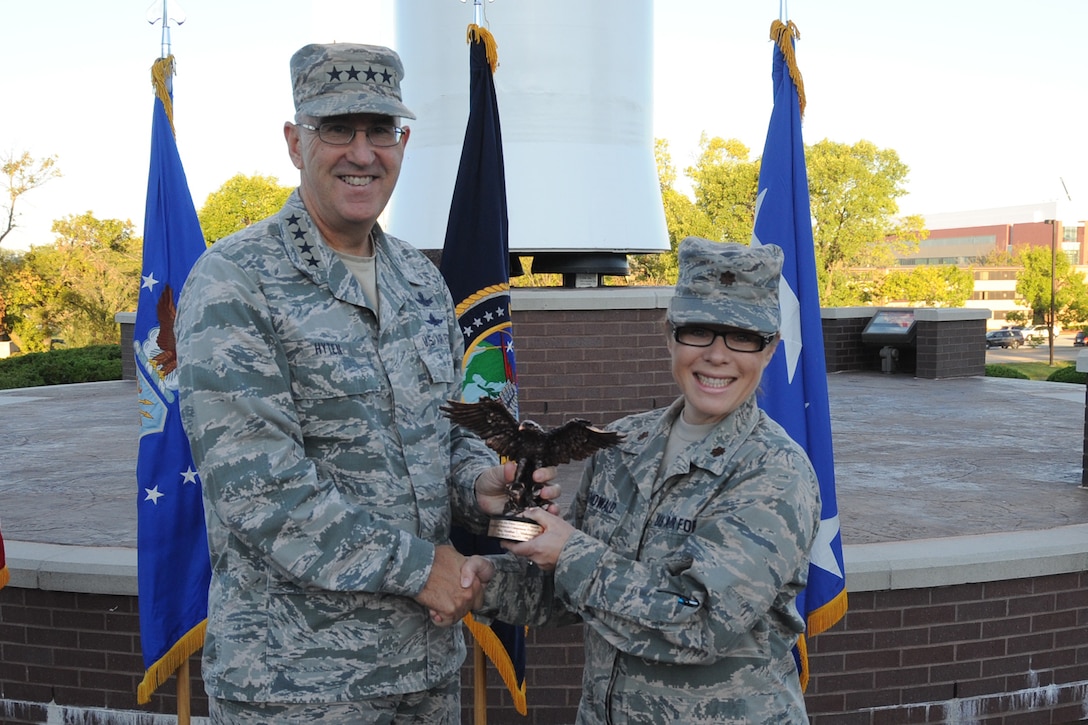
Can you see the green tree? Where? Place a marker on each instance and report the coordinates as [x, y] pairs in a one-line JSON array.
[[661, 269], [725, 183], [20, 176], [73, 288], [928, 286], [1033, 284], [853, 192], [239, 202]]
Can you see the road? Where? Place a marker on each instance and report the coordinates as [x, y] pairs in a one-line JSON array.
[[1063, 352]]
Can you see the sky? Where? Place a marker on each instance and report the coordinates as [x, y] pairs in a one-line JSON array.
[[985, 102]]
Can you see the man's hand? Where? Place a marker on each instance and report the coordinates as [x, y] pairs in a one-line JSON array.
[[477, 568], [444, 595], [491, 486], [544, 548]]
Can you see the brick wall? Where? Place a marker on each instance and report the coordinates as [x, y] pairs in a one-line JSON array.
[[600, 353], [595, 364], [75, 649], [843, 350], [1002, 652], [951, 347]]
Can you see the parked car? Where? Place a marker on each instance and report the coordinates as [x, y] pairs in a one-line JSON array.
[[1004, 339], [1035, 334], [1080, 338]]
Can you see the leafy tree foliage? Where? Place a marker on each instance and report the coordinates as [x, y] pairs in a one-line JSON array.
[[239, 202], [1070, 289], [73, 288], [725, 183], [20, 176], [929, 286], [680, 213], [853, 192]]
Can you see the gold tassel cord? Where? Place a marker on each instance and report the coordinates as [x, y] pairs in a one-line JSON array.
[[161, 71], [496, 652], [784, 34], [476, 34]]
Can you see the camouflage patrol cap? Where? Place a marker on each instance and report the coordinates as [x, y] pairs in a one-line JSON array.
[[723, 283], [342, 78]]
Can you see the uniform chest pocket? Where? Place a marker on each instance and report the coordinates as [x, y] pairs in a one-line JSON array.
[[434, 350], [322, 369]]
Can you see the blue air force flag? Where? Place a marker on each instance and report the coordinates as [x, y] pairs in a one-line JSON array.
[[795, 382], [172, 547]]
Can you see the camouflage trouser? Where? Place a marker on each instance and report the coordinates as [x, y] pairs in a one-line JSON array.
[[439, 706]]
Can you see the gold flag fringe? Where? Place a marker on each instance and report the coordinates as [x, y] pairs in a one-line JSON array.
[[802, 650], [496, 652], [160, 671], [161, 71], [5, 577], [826, 616], [476, 34], [784, 34]]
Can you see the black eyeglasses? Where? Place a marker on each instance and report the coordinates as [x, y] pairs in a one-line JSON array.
[[341, 134], [735, 340]]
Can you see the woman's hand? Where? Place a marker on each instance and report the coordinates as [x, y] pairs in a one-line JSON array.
[[544, 548]]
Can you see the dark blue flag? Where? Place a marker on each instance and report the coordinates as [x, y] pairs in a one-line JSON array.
[[172, 547], [475, 263], [794, 390]]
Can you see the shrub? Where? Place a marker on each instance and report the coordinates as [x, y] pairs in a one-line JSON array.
[[1067, 374], [60, 367], [1004, 371]]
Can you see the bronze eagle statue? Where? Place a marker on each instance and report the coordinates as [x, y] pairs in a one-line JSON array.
[[528, 443]]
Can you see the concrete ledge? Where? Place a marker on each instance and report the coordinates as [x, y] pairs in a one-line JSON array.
[[869, 567], [949, 314], [846, 313], [523, 299], [59, 568], [966, 559]]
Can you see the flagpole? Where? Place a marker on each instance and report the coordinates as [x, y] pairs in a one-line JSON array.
[[183, 692], [183, 689]]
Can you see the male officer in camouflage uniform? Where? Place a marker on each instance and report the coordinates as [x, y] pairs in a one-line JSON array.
[[688, 542], [314, 353]]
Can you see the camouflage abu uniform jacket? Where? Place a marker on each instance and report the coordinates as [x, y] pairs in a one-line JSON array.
[[328, 471], [686, 588]]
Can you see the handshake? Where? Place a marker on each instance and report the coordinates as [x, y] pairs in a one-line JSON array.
[[456, 583]]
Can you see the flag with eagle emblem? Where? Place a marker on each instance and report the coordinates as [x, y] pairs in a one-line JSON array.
[[794, 388], [475, 264], [172, 546]]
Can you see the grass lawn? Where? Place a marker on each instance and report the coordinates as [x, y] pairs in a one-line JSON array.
[[1038, 370]]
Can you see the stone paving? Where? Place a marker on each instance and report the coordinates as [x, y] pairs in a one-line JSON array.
[[913, 459]]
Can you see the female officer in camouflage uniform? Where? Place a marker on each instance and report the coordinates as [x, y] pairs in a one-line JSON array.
[[689, 541]]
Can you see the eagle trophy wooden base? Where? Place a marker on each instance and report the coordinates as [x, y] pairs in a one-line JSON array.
[[513, 528]]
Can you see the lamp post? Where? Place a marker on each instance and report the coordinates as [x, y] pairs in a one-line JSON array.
[[1054, 226]]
